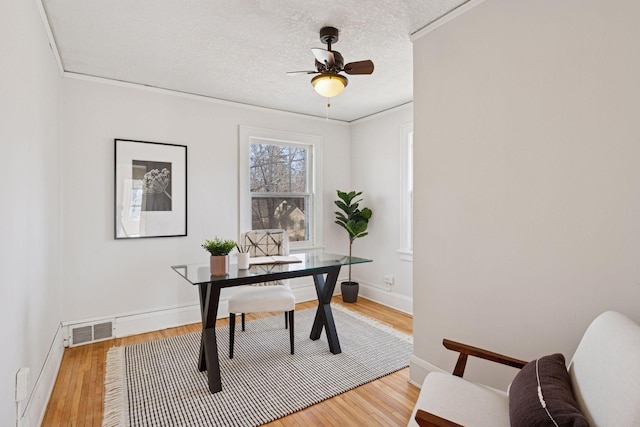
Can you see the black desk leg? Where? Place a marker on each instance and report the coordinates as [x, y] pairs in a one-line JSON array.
[[209, 299], [324, 316]]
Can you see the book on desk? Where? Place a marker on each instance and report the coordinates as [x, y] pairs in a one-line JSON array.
[[275, 259]]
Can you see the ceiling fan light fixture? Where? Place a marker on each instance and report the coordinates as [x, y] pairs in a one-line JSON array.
[[329, 85]]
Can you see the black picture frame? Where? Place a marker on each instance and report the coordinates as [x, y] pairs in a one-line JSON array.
[[150, 189]]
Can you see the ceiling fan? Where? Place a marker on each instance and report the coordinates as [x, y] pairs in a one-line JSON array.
[[329, 63]]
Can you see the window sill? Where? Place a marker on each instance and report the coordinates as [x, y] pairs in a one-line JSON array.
[[405, 255], [299, 249]]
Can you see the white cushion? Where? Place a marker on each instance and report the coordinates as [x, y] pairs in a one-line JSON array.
[[259, 299], [461, 401], [605, 371]]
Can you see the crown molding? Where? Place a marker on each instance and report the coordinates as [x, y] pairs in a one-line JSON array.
[[452, 14], [120, 83], [52, 40], [382, 113]]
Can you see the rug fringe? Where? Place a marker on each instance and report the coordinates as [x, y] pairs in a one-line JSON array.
[[115, 413], [374, 322]]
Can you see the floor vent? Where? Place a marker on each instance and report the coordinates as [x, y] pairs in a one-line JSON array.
[[88, 333]]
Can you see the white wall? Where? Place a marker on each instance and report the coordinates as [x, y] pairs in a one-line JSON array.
[[527, 198], [376, 170], [104, 277], [30, 297]]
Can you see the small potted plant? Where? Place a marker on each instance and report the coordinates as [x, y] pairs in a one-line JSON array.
[[219, 250], [355, 221]]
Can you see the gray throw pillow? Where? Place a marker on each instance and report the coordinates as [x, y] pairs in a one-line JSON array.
[[553, 402]]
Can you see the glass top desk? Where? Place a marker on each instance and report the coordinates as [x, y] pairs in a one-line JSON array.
[[324, 267]]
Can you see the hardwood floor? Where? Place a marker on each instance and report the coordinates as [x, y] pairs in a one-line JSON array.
[[78, 393]]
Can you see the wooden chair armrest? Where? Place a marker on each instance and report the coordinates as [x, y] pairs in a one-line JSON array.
[[427, 419], [467, 350]]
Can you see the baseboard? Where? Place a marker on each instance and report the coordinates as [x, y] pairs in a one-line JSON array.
[[140, 323], [419, 368], [391, 299], [36, 403], [304, 290], [148, 321]]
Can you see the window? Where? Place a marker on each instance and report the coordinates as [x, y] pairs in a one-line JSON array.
[[278, 186], [406, 232], [278, 183]]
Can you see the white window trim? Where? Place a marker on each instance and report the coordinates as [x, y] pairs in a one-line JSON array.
[[406, 227], [246, 134]]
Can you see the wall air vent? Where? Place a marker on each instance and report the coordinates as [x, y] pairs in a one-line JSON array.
[[81, 335], [103, 331], [93, 332]]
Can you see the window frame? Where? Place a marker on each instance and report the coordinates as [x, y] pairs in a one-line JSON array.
[[249, 135], [406, 214]]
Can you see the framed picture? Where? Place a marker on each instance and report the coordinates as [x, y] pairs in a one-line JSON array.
[[150, 194]]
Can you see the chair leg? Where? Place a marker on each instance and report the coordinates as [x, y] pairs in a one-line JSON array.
[[291, 335], [243, 322], [232, 333], [286, 321]]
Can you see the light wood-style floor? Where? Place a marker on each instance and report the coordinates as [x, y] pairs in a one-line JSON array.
[[79, 389]]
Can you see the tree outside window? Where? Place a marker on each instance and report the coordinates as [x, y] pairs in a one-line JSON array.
[[279, 187]]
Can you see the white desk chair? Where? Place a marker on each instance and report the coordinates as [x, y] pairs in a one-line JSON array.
[[263, 297]]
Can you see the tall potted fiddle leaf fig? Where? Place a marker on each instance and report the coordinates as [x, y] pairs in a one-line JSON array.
[[355, 221]]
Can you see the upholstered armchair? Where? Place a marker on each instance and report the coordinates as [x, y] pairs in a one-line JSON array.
[[600, 387]]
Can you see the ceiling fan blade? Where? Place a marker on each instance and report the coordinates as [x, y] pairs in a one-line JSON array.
[[359, 67], [323, 56], [293, 73]]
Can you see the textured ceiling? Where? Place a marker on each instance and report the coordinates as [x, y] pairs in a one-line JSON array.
[[241, 50]]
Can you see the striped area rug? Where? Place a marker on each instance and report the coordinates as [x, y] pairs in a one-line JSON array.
[[158, 383]]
